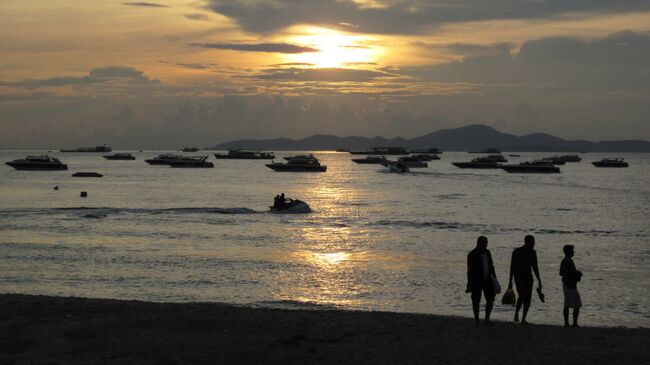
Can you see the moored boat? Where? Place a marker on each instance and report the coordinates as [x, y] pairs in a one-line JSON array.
[[412, 162], [426, 156], [103, 148], [611, 162], [163, 159], [191, 162], [388, 151], [487, 150], [370, 160], [299, 163], [555, 160], [571, 158], [190, 149], [245, 155], [87, 174], [487, 162], [119, 156], [37, 163]]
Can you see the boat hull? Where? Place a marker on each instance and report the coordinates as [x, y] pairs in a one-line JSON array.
[[621, 165], [226, 157], [296, 168], [472, 165], [37, 167], [191, 165], [519, 169]]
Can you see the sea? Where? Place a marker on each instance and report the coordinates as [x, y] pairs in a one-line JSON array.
[[375, 240]]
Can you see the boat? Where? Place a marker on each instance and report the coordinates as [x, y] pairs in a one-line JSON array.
[[190, 149], [87, 174], [610, 162], [555, 160], [412, 162], [342, 150], [426, 157], [532, 167], [33, 163], [486, 162], [245, 155], [299, 163], [103, 148], [392, 151], [571, 158], [398, 167], [487, 150], [119, 156], [290, 206], [514, 155], [163, 159], [191, 162], [432, 150], [370, 160]]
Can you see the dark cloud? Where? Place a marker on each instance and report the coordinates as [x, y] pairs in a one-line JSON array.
[[194, 66], [100, 75], [293, 64], [197, 16], [320, 74], [618, 61], [405, 16], [258, 47], [148, 5]]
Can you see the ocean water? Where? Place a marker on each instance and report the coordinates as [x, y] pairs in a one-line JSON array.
[[375, 241]]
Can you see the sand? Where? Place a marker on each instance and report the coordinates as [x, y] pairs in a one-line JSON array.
[[56, 330]]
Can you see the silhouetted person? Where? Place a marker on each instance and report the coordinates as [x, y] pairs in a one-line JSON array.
[[276, 202], [283, 201], [480, 271], [524, 259], [570, 278]]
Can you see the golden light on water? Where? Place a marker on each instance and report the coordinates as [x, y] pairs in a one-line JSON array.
[[336, 49]]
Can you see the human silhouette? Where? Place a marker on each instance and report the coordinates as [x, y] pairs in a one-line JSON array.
[[276, 202], [570, 278], [480, 274], [524, 259], [283, 201]]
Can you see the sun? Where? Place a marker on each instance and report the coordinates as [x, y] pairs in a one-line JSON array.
[[336, 49]]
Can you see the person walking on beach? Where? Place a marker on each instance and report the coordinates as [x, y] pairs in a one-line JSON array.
[[570, 277], [524, 259], [480, 274]]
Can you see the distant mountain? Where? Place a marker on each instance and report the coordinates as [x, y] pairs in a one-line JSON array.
[[468, 138]]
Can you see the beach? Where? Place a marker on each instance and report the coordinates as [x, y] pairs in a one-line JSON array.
[[68, 330]]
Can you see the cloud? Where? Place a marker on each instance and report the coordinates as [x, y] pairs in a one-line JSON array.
[[320, 74], [258, 47], [148, 5], [618, 61], [404, 16], [119, 74], [197, 16]]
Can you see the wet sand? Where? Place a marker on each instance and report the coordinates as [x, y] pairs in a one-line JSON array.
[[56, 330]]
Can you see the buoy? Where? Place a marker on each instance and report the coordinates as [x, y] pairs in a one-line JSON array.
[[56, 187], [83, 194]]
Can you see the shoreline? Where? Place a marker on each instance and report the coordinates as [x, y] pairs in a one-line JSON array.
[[46, 329]]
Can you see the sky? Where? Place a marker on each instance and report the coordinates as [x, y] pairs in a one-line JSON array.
[[169, 73]]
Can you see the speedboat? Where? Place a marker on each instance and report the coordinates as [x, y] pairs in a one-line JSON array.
[[190, 149], [163, 159], [611, 162], [413, 162], [533, 167], [487, 150], [397, 167], [291, 206], [555, 160], [103, 148], [571, 158], [191, 162], [487, 162], [370, 160], [426, 157], [119, 156], [300, 163], [245, 155], [43, 162], [392, 151]]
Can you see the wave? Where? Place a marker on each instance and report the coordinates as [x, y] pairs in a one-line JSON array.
[[103, 212]]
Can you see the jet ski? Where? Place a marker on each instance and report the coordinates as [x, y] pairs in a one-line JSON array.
[[291, 206]]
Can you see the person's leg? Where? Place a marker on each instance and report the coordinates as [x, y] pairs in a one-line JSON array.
[[519, 302], [565, 312], [476, 301], [488, 290], [527, 296], [576, 312]]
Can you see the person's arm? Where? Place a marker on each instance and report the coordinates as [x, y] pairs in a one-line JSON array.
[[493, 272], [469, 272], [512, 271], [536, 270]]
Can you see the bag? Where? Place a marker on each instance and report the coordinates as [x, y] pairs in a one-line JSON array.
[[509, 297], [496, 286]]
